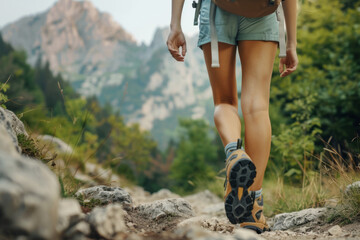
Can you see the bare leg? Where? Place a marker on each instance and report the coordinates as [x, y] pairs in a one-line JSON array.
[[257, 59], [223, 84]]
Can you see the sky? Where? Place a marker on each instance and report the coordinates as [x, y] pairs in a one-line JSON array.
[[139, 17]]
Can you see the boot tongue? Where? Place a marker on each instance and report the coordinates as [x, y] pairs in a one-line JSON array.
[[239, 143]]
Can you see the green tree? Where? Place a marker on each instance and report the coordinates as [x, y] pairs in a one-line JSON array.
[[321, 97], [195, 155]]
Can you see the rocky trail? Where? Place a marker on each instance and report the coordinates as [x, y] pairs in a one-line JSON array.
[[31, 207]]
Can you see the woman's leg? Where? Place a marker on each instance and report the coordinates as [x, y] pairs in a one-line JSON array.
[[257, 60], [223, 84]]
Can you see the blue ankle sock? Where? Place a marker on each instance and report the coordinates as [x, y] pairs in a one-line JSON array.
[[229, 148], [258, 193]]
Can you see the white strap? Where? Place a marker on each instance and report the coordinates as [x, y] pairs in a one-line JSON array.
[[214, 39], [281, 19]]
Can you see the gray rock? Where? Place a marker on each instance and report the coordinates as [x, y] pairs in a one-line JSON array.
[[176, 208], [105, 195], [107, 221], [69, 214], [286, 221], [199, 233], [8, 121], [29, 195], [206, 203], [163, 194], [203, 198], [7, 142], [16, 124], [60, 145], [335, 231], [77, 232], [354, 187]]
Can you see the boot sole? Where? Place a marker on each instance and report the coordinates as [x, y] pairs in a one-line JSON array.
[[238, 204], [257, 229]]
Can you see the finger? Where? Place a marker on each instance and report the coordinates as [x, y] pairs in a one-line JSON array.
[[177, 55], [288, 71], [281, 67], [184, 50]]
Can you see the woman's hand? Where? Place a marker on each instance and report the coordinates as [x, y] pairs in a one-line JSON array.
[[290, 62], [176, 40]]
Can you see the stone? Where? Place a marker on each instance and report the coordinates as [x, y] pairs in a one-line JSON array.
[[286, 221], [335, 231], [8, 122], [105, 195], [101, 174], [218, 224], [206, 203], [199, 233], [203, 198], [246, 234], [7, 142], [107, 221], [163, 194], [216, 210], [354, 187], [197, 220], [175, 208], [79, 231], [138, 194], [29, 196], [16, 124], [69, 214], [60, 145]]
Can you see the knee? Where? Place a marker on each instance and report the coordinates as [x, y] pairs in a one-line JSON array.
[[224, 109], [251, 105]]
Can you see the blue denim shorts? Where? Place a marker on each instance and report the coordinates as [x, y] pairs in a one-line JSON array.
[[232, 28]]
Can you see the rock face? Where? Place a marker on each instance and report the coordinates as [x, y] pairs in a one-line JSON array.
[[105, 195], [285, 221], [29, 195], [107, 221]]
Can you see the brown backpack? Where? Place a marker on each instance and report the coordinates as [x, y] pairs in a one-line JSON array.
[[245, 8], [249, 8]]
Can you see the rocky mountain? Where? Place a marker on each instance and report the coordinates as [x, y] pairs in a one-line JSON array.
[[100, 58]]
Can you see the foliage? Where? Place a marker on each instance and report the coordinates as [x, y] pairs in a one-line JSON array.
[[194, 157], [48, 105], [348, 210], [30, 148], [320, 98], [3, 98]]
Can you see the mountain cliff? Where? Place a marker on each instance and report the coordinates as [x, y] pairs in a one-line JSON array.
[[100, 58]]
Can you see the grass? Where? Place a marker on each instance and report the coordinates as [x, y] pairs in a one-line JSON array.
[[30, 147], [322, 185]]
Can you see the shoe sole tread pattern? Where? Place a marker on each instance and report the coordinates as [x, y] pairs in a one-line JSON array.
[[241, 175]]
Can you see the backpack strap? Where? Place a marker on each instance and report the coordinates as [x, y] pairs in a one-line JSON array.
[[213, 37], [197, 11], [281, 19]]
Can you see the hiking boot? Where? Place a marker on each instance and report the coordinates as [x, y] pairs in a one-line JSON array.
[[240, 174], [256, 221]]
